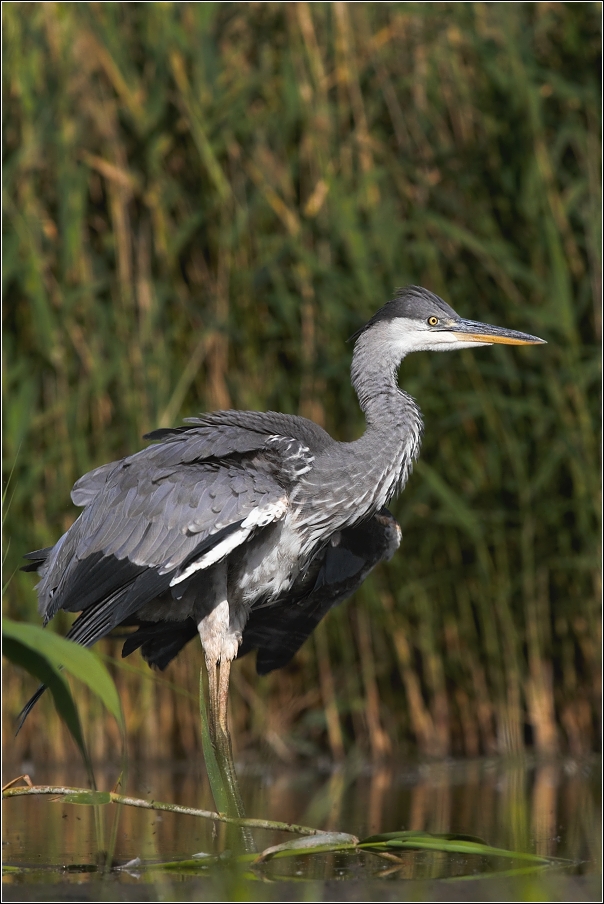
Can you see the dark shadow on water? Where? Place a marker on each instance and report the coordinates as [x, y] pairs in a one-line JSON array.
[[550, 888]]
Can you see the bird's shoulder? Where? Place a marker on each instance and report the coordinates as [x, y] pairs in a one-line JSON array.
[[232, 430], [222, 447]]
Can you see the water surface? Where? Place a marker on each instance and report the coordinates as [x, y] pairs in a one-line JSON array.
[[547, 808]]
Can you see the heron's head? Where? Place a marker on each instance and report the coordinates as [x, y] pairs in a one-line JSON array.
[[417, 320]]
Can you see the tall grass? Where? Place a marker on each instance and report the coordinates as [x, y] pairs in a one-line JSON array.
[[201, 202]]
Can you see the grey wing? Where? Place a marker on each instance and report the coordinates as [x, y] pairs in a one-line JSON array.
[[216, 437], [170, 520], [151, 521], [178, 446], [171, 510], [87, 487]]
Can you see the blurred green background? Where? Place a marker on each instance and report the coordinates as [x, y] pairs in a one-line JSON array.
[[201, 202]]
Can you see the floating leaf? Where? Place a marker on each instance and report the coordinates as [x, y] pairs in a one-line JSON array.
[[409, 834], [446, 843], [320, 843]]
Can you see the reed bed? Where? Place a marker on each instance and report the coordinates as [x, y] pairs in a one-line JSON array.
[[201, 201]]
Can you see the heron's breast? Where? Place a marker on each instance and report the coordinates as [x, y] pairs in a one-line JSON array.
[[267, 565]]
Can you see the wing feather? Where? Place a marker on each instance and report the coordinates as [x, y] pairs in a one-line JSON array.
[[154, 519], [165, 508]]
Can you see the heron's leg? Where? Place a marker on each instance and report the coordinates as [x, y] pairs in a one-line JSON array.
[[212, 669], [223, 738], [220, 644], [218, 688], [223, 695], [223, 735], [213, 629]]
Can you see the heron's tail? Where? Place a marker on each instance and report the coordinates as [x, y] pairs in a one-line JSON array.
[[37, 559]]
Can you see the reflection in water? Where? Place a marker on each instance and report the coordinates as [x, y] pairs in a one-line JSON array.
[[550, 809], [543, 808]]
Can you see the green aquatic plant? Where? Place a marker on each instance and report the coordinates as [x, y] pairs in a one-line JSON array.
[[48, 657]]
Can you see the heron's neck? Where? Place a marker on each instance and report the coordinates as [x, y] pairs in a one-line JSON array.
[[374, 379], [391, 443], [351, 481]]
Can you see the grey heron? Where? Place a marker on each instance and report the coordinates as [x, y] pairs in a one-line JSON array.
[[243, 527]]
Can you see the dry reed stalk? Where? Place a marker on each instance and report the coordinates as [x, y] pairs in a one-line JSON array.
[[328, 693]]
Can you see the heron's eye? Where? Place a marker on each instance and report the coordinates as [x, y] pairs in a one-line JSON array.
[[432, 320]]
